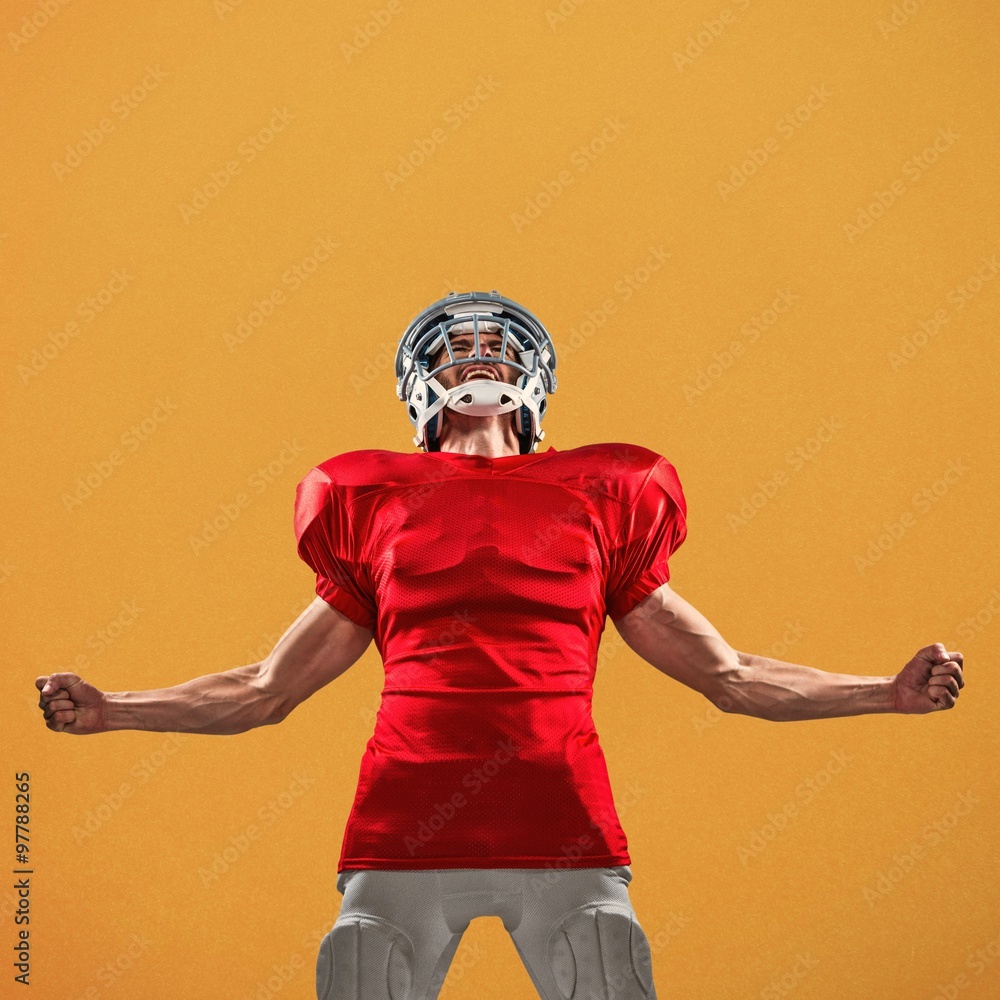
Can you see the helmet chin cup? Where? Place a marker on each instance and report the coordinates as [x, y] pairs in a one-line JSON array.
[[482, 397]]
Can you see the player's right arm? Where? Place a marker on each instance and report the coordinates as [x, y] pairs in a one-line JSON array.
[[317, 647]]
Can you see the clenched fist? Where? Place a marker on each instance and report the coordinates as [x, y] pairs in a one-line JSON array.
[[71, 704], [930, 682]]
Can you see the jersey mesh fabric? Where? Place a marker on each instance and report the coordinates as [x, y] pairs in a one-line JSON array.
[[487, 583]]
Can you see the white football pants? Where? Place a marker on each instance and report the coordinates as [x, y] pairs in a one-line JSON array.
[[574, 929]]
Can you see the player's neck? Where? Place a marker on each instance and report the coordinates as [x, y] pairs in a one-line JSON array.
[[490, 437]]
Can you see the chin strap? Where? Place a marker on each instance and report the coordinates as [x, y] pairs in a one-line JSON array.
[[479, 397], [482, 397]]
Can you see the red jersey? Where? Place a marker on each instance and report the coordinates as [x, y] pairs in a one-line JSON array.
[[487, 583]]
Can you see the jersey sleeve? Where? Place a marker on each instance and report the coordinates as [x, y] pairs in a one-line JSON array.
[[327, 544], [653, 529]]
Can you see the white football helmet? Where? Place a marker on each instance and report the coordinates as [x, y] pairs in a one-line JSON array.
[[475, 312]]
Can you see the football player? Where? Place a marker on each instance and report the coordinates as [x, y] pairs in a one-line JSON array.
[[484, 570]]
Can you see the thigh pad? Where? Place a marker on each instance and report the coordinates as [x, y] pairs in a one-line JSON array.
[[364, 956], [599, 950]]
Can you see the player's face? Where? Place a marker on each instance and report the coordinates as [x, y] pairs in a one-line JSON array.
[[463, 344]]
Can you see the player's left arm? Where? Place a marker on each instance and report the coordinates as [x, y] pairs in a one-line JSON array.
[[666, 631]]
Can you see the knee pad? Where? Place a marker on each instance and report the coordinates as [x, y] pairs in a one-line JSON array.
[[364, 956], [600, 950]]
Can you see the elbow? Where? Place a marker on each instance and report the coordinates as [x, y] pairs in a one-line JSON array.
[[728, 692], [275, 708], [273, 705]]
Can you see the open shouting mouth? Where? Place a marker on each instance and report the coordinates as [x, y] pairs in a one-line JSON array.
[[479, 371]]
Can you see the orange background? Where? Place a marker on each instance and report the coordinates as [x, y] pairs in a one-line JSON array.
[[748, 143]]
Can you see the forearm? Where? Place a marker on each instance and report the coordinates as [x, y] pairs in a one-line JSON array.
[[787, 692], [217, 704]]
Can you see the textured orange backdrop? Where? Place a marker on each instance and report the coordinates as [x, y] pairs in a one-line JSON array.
[[764, 238]]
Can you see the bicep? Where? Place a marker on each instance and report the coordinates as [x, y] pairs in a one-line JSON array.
[[316, 648], [676, 638]]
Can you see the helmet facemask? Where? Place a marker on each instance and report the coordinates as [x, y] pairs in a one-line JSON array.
[[524, 345]]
